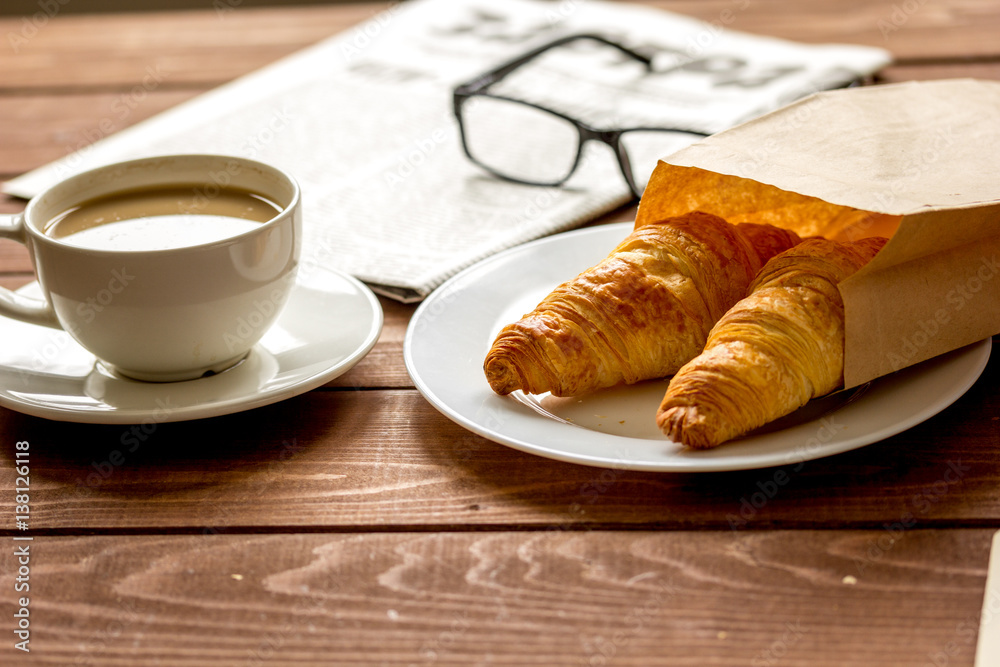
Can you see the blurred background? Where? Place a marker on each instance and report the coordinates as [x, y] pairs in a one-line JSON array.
[[28, 7]]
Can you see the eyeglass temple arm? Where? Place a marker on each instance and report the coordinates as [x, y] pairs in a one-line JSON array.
[[494, 75]]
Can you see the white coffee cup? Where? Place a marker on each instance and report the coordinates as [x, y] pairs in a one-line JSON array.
[[168, 314]]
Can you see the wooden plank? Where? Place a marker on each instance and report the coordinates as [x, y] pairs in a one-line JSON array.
[[10, 205], [36, 129], [13, 282], [386, 460], [928, 72], [209, 47], [383, 366], [548, 598], [29, 7], [14, 258], [179, 48], [929, 29]]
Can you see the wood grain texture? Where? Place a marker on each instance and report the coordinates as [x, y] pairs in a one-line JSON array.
[[182, 48], [210, 47], [10, 204], [14, 282], [36, 129], [190, 52], [356, 525], [955, 70], [14, 258], [933, 29], [387, 460], [551, 598], [383, 366]]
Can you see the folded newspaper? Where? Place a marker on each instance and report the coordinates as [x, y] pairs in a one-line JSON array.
[[364, 122]]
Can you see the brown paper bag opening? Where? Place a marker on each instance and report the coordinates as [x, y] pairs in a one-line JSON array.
[[915, 162]]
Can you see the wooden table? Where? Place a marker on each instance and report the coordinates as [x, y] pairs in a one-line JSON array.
[[357, 525]]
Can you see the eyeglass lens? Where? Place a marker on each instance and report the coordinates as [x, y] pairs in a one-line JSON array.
[[519, 141]]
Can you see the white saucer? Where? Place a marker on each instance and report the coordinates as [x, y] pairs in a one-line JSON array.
[[330, 322]]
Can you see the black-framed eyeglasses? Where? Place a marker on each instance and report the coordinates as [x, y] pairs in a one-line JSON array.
[[527, 143]]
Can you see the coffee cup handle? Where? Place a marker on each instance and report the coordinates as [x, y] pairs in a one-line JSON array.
[[12, 304]]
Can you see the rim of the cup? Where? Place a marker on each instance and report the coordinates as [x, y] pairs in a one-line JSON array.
[[40, 235]]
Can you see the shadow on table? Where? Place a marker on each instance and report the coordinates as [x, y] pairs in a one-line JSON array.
[[150, 459], [939, 470]]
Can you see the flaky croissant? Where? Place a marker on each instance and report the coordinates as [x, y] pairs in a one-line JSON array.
[[640, 313], [772, 352]]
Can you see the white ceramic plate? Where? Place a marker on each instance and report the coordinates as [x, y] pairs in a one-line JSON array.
[[450, 334], [329, 323]]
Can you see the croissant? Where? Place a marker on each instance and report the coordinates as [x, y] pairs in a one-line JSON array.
[[640, 313], [772, 352]]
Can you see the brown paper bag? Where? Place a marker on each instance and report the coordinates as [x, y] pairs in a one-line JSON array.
[[918, 162]]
